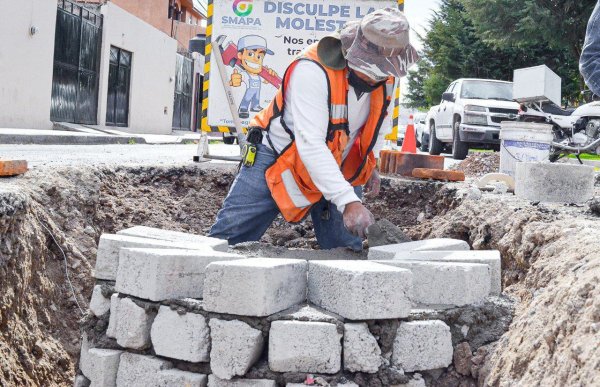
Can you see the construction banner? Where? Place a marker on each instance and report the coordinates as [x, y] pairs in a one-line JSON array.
[[256, 40]]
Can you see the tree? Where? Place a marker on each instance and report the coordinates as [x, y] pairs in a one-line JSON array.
[[415, 95]]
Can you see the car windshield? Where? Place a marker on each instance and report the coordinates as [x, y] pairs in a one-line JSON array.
[[487, 90]]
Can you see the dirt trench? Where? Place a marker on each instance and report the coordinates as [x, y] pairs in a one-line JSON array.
[[551, 263]]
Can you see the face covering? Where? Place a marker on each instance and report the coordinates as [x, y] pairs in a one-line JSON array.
[[359, 85]]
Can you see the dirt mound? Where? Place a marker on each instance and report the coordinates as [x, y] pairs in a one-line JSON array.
[[479, 164]]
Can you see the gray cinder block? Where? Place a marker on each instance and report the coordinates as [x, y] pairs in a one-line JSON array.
[[170, 378], [109, 246], [175, 236], [298, 346], [422, 345], [389, 251], [254, 287], [99, 304], [360, 290], [446, 283], [162, 274], [214, 381], [132, 325], [181, 336], [361, 351], [139, 370], [554, 182], [236, 346]]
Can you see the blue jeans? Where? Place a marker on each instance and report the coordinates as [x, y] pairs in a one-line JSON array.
[[249, 210], [589, 63]]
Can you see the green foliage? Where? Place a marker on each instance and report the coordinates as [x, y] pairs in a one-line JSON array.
[[491, 38]]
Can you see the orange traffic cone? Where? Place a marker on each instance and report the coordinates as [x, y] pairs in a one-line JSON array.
[[409, 145]]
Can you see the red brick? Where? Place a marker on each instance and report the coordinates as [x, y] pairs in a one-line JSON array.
[[12, 167], [437, 174], [406, 162]]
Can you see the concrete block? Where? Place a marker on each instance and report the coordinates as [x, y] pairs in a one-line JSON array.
[[175, 236], [111, 331], [181, 336], [132, 326], [298, 346], [422, 345], [81, 381], [177, 378], [214, 381], [109, 246], [254, 287], [236, 346], [439, 244], [554, 182], [103, 367], [361, 351], [162, 274], [139, 370], [360, 290], [446, 283], [99, 304], [491, 258]]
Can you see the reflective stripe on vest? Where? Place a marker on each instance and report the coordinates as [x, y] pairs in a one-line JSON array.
[[339, 112]]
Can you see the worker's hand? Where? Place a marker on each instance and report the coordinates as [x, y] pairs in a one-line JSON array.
[[236, 79], [357, 219], [270, 71], [373, 186]]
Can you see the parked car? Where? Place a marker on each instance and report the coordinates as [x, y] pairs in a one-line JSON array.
[[470, 115], [426, 128]]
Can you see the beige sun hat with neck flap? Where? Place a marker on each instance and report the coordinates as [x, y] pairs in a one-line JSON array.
[[378, 45]]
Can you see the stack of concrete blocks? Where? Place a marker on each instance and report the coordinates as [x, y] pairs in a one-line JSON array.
[[182, 311]]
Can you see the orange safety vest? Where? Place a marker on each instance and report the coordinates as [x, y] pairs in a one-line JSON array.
[[290, 183]]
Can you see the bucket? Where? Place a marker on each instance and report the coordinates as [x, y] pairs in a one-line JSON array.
[[523, 141]]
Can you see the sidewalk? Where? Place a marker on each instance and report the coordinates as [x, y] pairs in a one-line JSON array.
[[84, 135]]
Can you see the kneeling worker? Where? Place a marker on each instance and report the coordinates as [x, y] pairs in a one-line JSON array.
[[318, 141]]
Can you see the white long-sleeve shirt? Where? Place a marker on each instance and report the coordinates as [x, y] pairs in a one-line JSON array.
[[306, 114]]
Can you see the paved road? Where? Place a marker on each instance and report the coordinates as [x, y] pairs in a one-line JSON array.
[[65, 155]]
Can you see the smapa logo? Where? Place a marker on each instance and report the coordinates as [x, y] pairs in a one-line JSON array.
[[242, 8]]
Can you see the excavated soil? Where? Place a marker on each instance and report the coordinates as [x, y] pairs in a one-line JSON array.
[[479, 164], [551, 264]]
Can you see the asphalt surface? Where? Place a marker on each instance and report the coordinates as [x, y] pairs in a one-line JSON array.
[[134, 154]]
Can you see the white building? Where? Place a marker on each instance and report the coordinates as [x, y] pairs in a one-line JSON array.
[[98, 67]]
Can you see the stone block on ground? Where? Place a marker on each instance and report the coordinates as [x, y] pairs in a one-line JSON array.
[[360, 290], [446, 283], [214, 381], [297, 346], [438, 244], [132, 325], [175, 236], [162, 274], [422, 345], [554, 182], [139, 370], [111, 331], [102, 366], [99, 304], [438, 174], [81, 381], [405, 163], [181, 336], [10, 168], [236, 346], [177, 378], [491, 258], [254, 287], [109, 246], [361, 351]]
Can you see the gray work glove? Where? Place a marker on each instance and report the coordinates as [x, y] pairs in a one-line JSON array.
[[357, 219]]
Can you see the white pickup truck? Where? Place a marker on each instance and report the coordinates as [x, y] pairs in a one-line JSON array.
[[470, 115]]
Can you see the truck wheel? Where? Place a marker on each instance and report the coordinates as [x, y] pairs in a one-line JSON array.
[[424, 143], [435, 146], [460, 149]]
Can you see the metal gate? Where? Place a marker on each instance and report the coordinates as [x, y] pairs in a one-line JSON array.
[[184, 82], [77, 48], [119, 75]]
